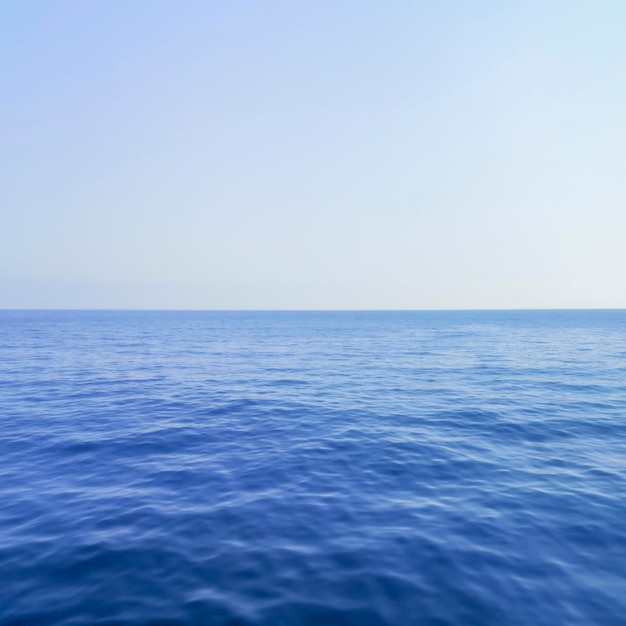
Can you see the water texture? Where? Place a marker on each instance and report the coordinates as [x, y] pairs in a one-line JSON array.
[[286, 469]]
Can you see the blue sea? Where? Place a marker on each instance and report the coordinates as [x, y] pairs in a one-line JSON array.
[[313, 468]]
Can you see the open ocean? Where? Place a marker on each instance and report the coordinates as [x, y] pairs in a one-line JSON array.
[[313, 468]]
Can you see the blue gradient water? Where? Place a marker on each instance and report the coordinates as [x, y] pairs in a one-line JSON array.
[[313, 468]]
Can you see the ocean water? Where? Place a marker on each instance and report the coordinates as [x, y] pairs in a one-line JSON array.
[[287, 469]]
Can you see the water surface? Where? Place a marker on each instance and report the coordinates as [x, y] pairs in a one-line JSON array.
[[437, 468]]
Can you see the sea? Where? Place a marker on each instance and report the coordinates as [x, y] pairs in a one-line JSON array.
[[313, 468]]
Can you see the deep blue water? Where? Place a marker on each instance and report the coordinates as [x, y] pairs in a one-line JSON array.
[[285, 469]]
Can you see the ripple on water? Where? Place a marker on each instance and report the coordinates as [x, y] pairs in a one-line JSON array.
[[285, 469]]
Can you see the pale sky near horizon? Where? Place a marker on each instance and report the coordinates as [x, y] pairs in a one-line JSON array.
[[313, 155]]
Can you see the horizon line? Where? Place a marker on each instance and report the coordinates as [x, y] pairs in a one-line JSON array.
[[278, 310]]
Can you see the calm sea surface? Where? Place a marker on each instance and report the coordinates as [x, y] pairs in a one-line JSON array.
[[285, 469]]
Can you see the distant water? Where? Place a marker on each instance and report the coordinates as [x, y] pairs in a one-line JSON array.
[[295, 469]]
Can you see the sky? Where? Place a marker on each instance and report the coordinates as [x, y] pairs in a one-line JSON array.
[[312, 154]]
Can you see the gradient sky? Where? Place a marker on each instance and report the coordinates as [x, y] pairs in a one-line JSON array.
[[313, 154]]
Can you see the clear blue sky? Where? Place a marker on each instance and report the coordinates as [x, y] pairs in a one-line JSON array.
[[316, 154]]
